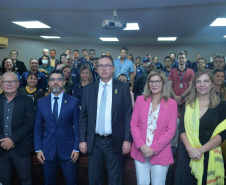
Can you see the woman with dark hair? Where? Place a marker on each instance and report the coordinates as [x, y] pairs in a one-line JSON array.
[[219, 75], [31, 90], [45, 67], [63, 61], [153, 125], [202, 129], [68, 87], [86, 78], [7, 66]]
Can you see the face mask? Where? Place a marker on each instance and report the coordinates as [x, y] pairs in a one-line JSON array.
[[44, 61]]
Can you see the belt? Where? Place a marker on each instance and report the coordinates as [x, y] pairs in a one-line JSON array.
[[104, 135]]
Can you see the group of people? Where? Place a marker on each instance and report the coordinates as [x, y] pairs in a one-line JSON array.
[[109, 108]]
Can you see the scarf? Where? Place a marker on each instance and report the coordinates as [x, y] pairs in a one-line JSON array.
[[215, 173]]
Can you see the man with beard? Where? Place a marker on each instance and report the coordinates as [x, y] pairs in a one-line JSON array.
[[58, 113], [53, 61]]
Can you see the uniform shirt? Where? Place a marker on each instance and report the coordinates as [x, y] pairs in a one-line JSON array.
[[175, 64], [108, 116], [166, 71], [77, 92], [42, 80], [158, 65], [34, 95]]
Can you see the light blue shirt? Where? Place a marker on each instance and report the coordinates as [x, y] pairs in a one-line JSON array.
[[59, 101], [125, 68], [108, 116]]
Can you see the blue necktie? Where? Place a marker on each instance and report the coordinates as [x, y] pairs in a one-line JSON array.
[[55, 110], [102, 110]]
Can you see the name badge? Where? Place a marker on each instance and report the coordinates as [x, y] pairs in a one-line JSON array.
[[181, 85]]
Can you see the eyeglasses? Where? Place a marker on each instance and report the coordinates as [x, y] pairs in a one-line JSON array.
[[13, 82], [53, 79], [107, 66], [157, 82]]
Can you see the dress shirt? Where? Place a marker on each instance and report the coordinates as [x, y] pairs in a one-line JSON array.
[[108, 128], [59, 101], [8, 112], [126, 67]]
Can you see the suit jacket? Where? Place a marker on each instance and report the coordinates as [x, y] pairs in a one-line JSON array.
[[61, 136], [57, 62], [23, 118], [166, 128], [121, 114]]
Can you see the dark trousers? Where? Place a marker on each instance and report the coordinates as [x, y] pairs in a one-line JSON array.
[[103, 151], [21, 164], [68, 167]]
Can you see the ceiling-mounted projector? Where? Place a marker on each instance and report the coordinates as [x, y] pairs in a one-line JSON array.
[[113, 24]]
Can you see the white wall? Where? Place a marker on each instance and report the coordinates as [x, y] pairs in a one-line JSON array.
[[28, 49]]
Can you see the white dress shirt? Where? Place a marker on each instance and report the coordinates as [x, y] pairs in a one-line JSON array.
[[108, 128], [59, 101]]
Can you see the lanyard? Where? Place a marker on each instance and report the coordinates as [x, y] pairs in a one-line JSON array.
[[181, 77]]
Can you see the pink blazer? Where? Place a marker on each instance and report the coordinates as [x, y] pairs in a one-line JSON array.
[[166, 128]]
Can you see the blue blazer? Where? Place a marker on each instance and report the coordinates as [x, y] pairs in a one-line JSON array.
[[63, 136]]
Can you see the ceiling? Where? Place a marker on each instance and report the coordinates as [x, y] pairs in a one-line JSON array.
[[79, 21]]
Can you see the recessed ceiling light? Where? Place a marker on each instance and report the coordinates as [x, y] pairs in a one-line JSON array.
[[132, 26], [32, 24], [109, 39], [219, 22], [225, 36], [167, 38], [50, 37]]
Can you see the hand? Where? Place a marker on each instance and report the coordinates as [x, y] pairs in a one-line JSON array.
[[126, 147], [74, 156], [178, 99], [7, 143], [41, 157], [83, 147], [194, 153], [147, 151], [131, 88]]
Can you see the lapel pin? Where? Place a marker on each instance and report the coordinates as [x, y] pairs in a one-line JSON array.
[[65, 101], [116, 91]]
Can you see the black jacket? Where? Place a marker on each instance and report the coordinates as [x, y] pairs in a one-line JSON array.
[[23, 119]]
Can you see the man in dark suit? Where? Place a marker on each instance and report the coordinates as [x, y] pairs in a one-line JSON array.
[[53, 61], [57, 116], [17, 116], [104, 125]]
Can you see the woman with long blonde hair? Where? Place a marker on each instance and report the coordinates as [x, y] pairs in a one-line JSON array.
[[202, 129], [153, 125]]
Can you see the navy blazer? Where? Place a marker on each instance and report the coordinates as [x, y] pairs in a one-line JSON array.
[[61, 136], [121, 114]]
